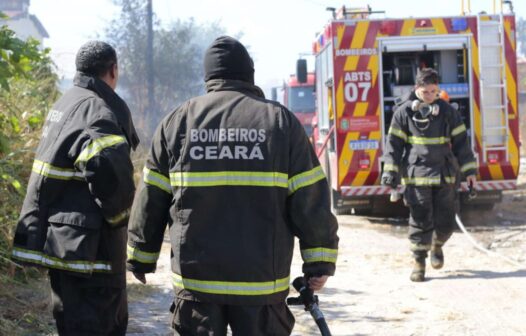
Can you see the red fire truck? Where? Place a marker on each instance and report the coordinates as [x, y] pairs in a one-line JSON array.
[[363, 64], [298, 97]]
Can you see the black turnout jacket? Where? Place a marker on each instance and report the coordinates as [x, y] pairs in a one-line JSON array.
[[81, 187], [234, 178], [428, 156]]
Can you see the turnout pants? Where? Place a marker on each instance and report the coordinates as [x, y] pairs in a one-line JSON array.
[[192, 318], [89, 306], [432, 216]]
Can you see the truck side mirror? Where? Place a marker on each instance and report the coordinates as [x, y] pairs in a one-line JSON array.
[[301, 70], [274, 93]]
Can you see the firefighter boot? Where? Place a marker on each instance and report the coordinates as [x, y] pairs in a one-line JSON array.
[[437, 256], [419, 269]]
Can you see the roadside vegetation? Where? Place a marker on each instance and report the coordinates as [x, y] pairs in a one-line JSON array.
[[28, 87]]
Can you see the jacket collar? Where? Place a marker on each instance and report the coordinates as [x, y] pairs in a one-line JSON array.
[[116, 104], [215, 85]]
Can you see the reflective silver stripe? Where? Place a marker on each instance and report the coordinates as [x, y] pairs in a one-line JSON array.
[[144, 257], [428, 141], [421, 181], [305, 179], [45, 169], [98, 145], [52, 262], [229, 178], [319, 254], [230, 287], [156, 179], [116, 219], [420, 247], [468, 166], [459, 129], [390, 167], [399, 133]]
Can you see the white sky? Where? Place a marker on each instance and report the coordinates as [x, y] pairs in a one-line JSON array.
[[277, 31]]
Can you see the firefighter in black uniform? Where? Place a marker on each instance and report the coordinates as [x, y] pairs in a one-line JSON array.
[[73, 220], [427, 144], [235, 178]]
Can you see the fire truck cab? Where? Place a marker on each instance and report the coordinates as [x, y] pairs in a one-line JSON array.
[[364, 64], [298, 97]]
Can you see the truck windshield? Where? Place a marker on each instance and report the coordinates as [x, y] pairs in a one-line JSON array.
[[301, 99]]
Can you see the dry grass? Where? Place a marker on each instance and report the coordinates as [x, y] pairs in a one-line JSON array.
[[25, 304]]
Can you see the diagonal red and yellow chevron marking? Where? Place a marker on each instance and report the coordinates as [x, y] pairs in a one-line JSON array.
[[363, 34]]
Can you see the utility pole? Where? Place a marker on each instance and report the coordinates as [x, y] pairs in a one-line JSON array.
[[149, 65]]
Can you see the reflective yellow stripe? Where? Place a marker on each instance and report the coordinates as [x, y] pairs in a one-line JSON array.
[[468, 166], [229, 178], [118, 218], [390, 167], [427, 141], [426, 181], [450, 179], [144, 257], [305, 179], [98, 145], [421, 181], [399, 133], [232, 288], [437, 242], [457, 130], [156, 179], [319, 254], [420, 247], [45, 169], [52, 262]]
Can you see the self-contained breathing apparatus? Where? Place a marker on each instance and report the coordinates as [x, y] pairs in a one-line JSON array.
[[423, 113]]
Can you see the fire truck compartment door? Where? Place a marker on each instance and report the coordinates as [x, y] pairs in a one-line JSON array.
[[422, 43]]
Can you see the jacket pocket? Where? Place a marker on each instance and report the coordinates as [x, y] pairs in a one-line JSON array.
[[178, 238], [73, 238]]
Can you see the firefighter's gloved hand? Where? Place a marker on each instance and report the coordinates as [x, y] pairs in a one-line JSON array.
[[317, 283], [471, 180], [389, 179]]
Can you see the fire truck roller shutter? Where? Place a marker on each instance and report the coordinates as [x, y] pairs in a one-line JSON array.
[[415, 43]]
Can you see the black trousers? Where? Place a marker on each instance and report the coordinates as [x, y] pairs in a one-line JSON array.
[[432, 215], [85, 306], [192, 318]]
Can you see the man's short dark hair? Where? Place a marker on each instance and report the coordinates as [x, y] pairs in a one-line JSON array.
[[426, 76], [95, 58]]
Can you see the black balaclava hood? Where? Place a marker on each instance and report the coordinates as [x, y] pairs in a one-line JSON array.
[[227, 58]]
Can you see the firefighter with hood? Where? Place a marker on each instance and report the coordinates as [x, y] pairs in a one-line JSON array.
[[75, 213], [427, 144], [235, 179]]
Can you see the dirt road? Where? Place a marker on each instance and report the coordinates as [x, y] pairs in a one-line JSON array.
[[474, 294], [371, 294]]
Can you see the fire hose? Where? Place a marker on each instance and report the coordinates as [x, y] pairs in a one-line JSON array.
[[310, 301], [477, 245], [325, 142]]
